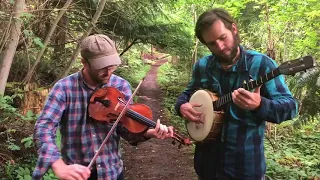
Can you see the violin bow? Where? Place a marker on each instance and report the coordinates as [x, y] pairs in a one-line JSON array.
[[114, 125]]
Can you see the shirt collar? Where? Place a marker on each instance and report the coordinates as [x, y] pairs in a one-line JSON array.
[[240, 66]]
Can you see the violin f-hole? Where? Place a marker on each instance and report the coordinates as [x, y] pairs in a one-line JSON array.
[[106, 103]]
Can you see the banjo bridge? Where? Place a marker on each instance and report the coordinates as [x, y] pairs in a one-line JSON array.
[[219, 112]]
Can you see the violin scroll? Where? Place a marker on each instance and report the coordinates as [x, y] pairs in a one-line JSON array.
[[181, 140]]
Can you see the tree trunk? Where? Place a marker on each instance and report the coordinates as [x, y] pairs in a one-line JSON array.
[[33, 98], [270, 48], [4, 23], [270, 52], [11, 48], [196, 42], [46, 41], [85, 34], [151, 49]]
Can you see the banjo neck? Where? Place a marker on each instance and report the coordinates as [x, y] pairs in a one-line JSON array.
[[286, 68], [223, 100]]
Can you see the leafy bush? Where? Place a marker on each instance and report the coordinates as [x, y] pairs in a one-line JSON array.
[[133, 68], [168, 75], [296, 155]]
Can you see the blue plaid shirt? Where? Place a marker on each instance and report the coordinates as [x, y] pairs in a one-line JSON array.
[[81, 136], [241, 151]]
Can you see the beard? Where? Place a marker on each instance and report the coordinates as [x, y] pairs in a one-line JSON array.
[[228, 59], [97, 79]]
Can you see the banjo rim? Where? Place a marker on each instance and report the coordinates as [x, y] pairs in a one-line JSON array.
[[199, 132]]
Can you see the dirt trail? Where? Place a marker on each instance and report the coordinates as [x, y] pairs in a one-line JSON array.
[[156, 159]]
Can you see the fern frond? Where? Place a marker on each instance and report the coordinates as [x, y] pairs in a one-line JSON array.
[[308, 77]]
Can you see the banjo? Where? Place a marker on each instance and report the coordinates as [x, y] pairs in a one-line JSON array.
[[212, 118]]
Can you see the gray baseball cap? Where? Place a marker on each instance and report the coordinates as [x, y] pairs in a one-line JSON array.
[[100, 51]]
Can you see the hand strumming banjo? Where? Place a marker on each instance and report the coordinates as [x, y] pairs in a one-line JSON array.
[[213, 119]]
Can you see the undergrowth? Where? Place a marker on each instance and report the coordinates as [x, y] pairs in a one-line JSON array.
[[172, 81], [294, 154], [133, 68]]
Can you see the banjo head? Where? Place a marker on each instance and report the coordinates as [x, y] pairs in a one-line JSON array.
[[199, 131]]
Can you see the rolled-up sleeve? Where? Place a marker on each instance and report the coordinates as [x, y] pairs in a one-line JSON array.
[[277, 102], [45, 131]]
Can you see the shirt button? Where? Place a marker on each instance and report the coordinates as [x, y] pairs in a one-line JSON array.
[[99, 165]]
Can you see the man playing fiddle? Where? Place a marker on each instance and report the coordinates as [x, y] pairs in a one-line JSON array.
[[81, 136]]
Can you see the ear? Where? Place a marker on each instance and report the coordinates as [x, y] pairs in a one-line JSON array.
[[84, 62], [234, 28]]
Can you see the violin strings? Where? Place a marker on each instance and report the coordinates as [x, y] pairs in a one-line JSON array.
[[149, 122], [138, 116]]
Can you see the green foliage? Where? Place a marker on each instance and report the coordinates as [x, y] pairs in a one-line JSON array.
[[15, 138], [29, 116], [28, 142], [58, 139], [168, 75], [133, 68], [23, 170], [38, 42], [23, 174], [305, 87], [50, 175], [23, 166], [9, 112], [19, 171], [296, 155], [5, 105]]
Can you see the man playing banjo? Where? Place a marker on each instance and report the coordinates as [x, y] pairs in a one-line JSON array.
[[238, 151]]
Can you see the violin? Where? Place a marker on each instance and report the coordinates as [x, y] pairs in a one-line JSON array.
[[107, 104]]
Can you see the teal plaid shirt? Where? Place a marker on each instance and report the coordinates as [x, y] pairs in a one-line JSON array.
[[242, 148]]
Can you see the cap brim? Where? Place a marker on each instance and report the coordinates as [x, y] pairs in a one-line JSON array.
[[105, 61]]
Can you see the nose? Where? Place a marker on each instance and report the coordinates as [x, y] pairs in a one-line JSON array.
[[109, 73], [220, 45], [105, 73]]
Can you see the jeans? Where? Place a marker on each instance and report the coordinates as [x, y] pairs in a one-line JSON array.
[[94, 175], [206, 159], [226, 178]]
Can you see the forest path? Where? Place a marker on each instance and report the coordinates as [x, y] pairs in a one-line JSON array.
[[156, 159]]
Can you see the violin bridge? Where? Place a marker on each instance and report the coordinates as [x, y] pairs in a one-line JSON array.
[[116, 107]]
